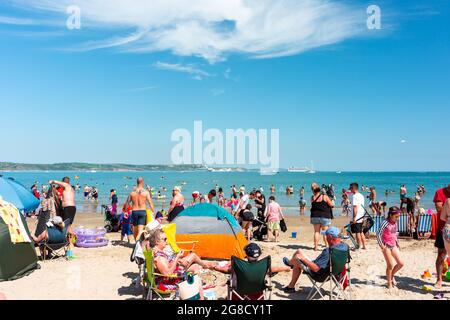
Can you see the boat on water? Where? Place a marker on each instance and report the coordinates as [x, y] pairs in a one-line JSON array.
[[295, 169], [303, 169]]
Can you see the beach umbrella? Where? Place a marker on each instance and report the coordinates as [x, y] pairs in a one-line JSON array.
[[17, 194]]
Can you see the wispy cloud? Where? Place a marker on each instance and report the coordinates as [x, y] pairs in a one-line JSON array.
[[17, 21], [215, 29], [217, 92], [141, 89], [197, 74]]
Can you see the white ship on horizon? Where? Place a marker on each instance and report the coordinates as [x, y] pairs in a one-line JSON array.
[[295, 169], [303, 169]]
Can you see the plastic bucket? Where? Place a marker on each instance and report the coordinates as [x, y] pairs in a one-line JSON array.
[[294, 235]]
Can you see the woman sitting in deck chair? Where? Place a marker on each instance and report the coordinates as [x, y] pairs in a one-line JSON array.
[[55, 232], [168, 265]]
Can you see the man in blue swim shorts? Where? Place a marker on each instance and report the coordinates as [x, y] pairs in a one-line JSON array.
[[139, 198]]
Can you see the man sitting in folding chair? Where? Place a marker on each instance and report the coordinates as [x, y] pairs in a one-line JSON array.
[[321, 269], [53, 238]]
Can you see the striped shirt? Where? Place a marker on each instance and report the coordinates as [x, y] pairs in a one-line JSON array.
[[387, 235]]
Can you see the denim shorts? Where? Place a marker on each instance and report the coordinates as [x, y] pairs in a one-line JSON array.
[[322, 221]]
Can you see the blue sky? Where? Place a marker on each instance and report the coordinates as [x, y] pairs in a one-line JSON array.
[[342, 96]]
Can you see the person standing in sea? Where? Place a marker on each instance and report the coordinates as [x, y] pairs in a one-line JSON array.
[[68, 207], [86, 191], [139, 199], [177, 204]]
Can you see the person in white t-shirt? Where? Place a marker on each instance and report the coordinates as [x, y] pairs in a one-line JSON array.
[[356, 215], [244, 199]]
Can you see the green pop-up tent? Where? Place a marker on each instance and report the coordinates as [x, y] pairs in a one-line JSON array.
[[16, 260]]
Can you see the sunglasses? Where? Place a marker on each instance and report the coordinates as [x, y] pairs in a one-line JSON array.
[[163, 239]]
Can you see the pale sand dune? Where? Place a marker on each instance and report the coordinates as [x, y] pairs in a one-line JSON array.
[[106, 273]]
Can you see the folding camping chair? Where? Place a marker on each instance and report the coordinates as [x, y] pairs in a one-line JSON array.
[[170, 230], [368, 223], [403, 226], [56, 249], [377, 221], [424, 225], [338, 275], [151, 291], [250, 280]]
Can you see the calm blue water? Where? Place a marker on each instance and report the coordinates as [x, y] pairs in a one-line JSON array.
[[204, 181]]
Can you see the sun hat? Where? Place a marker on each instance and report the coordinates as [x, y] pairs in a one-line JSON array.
[[176, 188], [150, 227]]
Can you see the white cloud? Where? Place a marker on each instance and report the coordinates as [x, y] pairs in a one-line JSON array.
[[214, 29], [16, 21], [142, 89], [197, 74]]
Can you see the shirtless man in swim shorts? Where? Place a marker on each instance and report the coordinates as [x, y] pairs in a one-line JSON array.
[[68, 207], [139, 198], [68, 200]]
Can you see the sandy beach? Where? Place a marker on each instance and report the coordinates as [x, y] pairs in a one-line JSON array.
[[107, 273]]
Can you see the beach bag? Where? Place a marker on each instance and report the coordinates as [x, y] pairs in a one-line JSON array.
[[190, 288], [367, 223], [283, 226]]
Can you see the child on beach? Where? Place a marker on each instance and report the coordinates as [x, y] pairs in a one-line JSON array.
[[387, 239], [125, 222], [274, 216]]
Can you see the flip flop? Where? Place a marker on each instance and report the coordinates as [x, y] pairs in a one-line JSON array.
[[439, 296]]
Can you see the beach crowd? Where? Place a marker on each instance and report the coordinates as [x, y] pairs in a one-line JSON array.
[[261, 219]]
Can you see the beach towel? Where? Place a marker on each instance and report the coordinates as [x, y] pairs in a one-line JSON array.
[[12, 219]]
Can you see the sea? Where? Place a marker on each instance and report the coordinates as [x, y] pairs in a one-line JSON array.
[[203, 181]]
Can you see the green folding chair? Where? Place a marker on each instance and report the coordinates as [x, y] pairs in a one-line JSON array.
[[250, 280], [151, 291], [334, 275]]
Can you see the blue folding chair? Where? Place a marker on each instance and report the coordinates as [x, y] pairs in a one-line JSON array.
[[424, 225], [403, 226], [377, 221]]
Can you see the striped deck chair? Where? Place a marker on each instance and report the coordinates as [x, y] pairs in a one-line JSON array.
[[377, 221], [424, 222], [403, 226]]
